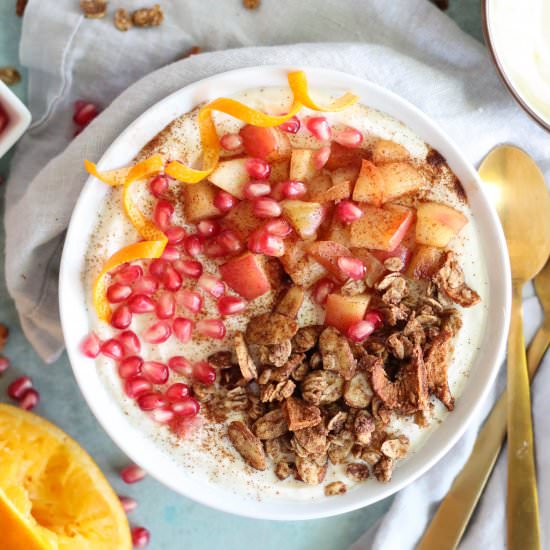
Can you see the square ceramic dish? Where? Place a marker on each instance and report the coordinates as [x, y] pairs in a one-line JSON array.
[[19, 118]]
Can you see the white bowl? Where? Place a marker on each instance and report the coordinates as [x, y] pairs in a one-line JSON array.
[[19, 118], [152, 457]]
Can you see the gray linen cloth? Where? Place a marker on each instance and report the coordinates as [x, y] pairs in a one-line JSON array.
[[408, 46]]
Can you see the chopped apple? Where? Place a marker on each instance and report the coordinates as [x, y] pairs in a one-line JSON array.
[[438, 223], [231, 176], [241, 219], [381, 228], [344, 157], [369, 185], [344, 311], [327, 254], [280, 171], [338, 232], [266, 143], [302, 269], [385, 150], [302, 167], [345, 175], [374, 268], [323, 189], [198, 202], [425, 262], [246, 275], [305, 217]]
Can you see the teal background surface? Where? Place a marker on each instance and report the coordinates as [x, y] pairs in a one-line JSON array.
[[175, 522]]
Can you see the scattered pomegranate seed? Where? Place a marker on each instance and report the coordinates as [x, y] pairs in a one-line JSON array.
[[211, 284], [231, 142], [130, 367], [321, 290], [136, 386], [278, 227], [177, 392], [157, 269], [5, 363], [360, 331], [19, 386], [258, 169], [266, 207], [112, 348], [230, 241], [132, 474], [185, 426], [117, 293], [130, 342], [262, 242], [230, 305], [224, 201], [319, 127], [157, 333], [140, 303], [183, 329], [122, 317], [128, 274], [354, 268], [350, 137], [166, 305], [155, 372], [150, 401], [181, 365], [159, 186], [162, 213], [91, 345], [320, 157], [84, 113], [291, 126], [204, 372], [208, 228], [293, 189], [348, 211], [171, 253], [146, 285], [175, 234], [212, 328], [255, 189], [29, 399], [163, 415], [375, 317], [214, 249], [172, 279], [188, 268], [128, 504], [78, 104], [190, 300], [193, 245], [186, 407]]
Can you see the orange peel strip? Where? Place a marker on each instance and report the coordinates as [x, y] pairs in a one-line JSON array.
[[120, 176]]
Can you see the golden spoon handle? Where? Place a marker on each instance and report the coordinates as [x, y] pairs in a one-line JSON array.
[[522, 501], [454, 512]]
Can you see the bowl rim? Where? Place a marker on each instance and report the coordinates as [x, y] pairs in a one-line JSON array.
[[111, 414], [487, 34]]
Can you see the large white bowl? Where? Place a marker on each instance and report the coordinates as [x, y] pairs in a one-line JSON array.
[[157, 461]]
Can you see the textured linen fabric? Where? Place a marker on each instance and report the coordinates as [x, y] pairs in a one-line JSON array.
[[408, 46]]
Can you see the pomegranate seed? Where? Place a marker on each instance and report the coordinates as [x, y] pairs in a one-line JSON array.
[[155, 372], [350, 137], [130, 342], [136, 386], [5, 363], [185, 426], [188, 268], [258, 169], [212, 285], [85, 114], [354, 268], [172, 279], [122, 317], [211, 328], [128, 274], [266, 207], [262, 242], [360, 331], [181, 365], [177, 392], [319, 127], [128, 504], [166, 305], [162, 213], [78, 104], [214, 249], [140, 303], [193, 245], [130, 367], [278, 227], [230, 305], [19, 386], [208, 228], [150, 401], [112, 348], [171, 253], [293, 189], [322, 289], [91, 345], [231, 142], [132, 474], [204, 372], [157, 333], [348, 211], [118, 293], [255, 189], [183, 329], [29, 400], [186, 407], [175, 234], [320, 157], [146, 285], [374, 317], [291, 126], [157, 269], [159, 186], [163, 415], [224, 201], [190, 300], [230, 241]]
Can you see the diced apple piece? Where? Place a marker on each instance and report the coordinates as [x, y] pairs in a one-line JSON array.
[[231, 176], [280, 171], [198, 202], [302, 167], [369, 185], [374, 268], [305, 217], [246, 275], [344, 311], [327, 254], [385, 150], [425, 262], [241, 219], [438, 223], [344, 157], [302, 269], [381, 228], [291, 302], [266, 143], [349, 174], [338, 232], [322, 189]]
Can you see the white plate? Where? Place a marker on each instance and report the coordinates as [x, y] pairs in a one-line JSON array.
[[153, 458], [19, 118]]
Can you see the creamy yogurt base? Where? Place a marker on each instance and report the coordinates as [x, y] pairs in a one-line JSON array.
[[209, 455]]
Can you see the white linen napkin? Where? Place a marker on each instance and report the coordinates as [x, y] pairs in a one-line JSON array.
[[408, 46]]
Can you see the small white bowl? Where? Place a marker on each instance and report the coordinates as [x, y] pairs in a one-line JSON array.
[[156, 460], [19, 118]]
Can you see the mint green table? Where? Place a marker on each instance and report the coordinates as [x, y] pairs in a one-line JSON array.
[[175, 522]]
